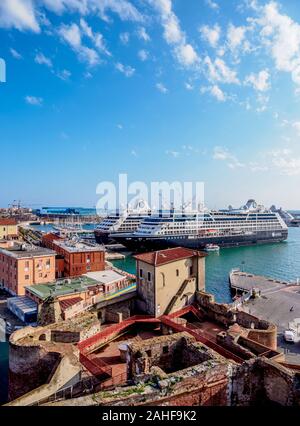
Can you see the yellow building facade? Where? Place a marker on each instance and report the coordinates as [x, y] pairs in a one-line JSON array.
[[8, 229]]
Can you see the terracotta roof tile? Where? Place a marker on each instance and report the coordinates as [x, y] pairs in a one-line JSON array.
[[67, 303], [162, 257], [7, 222], [51, 237]]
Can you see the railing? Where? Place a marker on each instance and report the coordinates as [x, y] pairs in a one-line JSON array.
[[206, 341], [118, 380], [85, 345], [244, 298], [95, 366]]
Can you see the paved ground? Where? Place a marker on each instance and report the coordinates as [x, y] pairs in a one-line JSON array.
[[279, 306], [246, 282], [110, 353], [279, 303], [207, 329]]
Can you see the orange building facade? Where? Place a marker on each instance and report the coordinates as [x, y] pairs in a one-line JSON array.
[[79, 258], [21, 267]]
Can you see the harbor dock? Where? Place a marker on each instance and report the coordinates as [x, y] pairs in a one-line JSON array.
[[274, 300]]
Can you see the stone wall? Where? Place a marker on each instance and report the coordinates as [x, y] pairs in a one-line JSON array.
[[265, 382], [257, 329], [29, 367], [65, 336]]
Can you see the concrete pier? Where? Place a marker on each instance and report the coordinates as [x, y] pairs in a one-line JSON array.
[[276, 301]]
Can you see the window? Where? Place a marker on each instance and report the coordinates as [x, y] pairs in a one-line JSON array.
[[163, 279], [141, 273], [26, 277], [48, 264], [191, 270], [26, 266], [149, 353], [149, 276], [177, 272], [165, 349]]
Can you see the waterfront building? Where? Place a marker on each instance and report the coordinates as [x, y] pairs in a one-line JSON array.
[[22, 265], [73, 296], [167, 280], [8, 229], [75, 258]]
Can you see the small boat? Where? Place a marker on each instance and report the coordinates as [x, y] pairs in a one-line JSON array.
[[212, 247]]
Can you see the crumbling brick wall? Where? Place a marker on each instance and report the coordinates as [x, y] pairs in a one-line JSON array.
[[171, 353], [29, 367]]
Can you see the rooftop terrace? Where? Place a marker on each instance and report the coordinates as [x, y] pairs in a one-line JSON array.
[[62, 287], [20, 251], [75, 285], [73, 246]]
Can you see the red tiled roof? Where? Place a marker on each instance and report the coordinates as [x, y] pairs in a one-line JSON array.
[[7, 222], [67, 303], [51, 237], [162, 257]]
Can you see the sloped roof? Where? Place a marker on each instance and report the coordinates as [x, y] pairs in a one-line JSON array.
[[7, 221], [163, 257]]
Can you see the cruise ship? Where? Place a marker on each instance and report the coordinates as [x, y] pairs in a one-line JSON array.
[[251, 224], [123, 222]]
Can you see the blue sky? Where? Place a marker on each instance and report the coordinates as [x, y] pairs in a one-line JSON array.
[[203, 90]]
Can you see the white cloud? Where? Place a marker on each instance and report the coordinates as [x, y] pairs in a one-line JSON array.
[[127, 70], [222, 154], [219, 71], [143, 55], [61, 6], [64, 75], [134, 153], [123, 8], [19, 14], [124, 38], [174, 36], [259, 81], [256, 167], [212, 4], [186, 54], [285, 161], [281, 36], [16, 54], [41, 59], [218, 93], [188, 86], [161, 88], [211, 34], [97, 38], [142, 34], [72, 35], [174, 154], [235, 36], [33, 100], [215, 91], [296, 126]]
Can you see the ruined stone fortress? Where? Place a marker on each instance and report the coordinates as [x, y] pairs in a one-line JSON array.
[[167, 344]]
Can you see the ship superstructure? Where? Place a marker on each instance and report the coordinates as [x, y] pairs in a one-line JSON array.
[[126, 221], [248, 225]]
